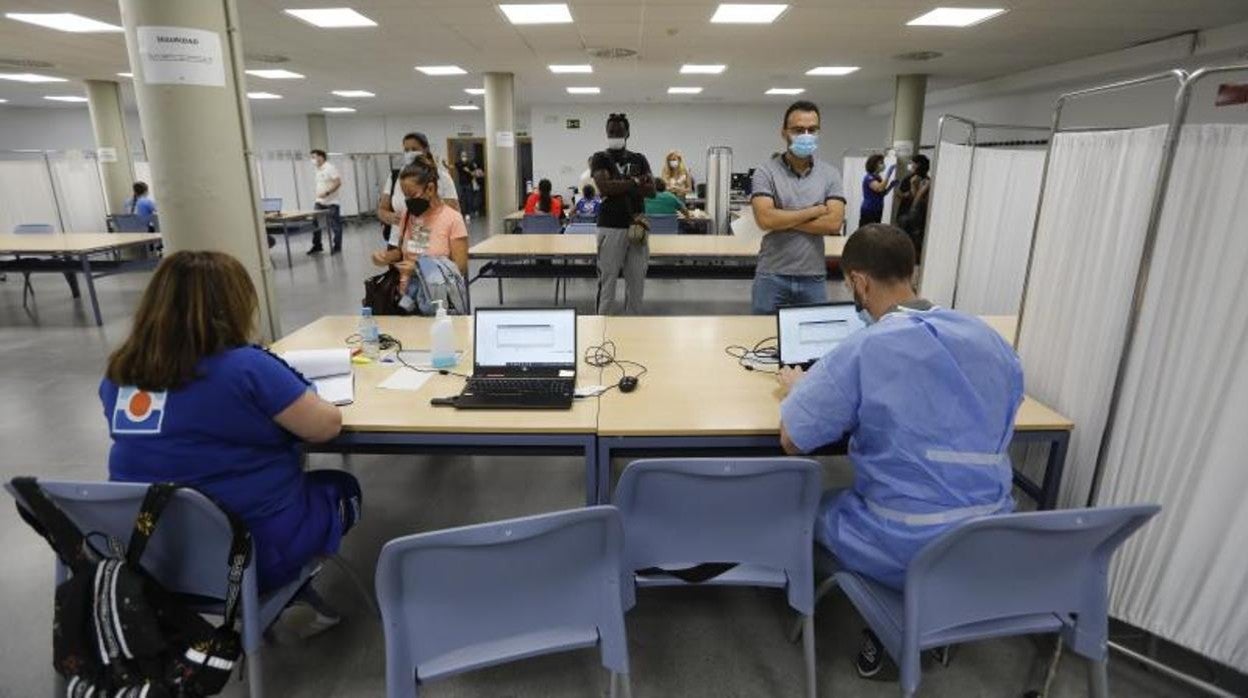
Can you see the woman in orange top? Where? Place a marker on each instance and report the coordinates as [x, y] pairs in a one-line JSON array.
[[541, 201], [429, 226]]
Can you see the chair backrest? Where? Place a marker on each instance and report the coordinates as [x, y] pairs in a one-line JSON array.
[[1000, 567], [756, 511], [34, 228], [539, 223], [464, 598], [130, 223], [190, 551], [581, 228], [664, 224], [271, 205]]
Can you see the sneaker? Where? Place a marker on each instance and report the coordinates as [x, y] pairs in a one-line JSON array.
[[335, 250], [316, 250], [307, 616], [870, 656]]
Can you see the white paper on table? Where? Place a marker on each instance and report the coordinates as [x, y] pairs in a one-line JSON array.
[[405, 379], [745, 226], [328, 369]]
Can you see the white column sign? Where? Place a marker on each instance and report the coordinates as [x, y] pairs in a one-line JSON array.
[[180, 56]]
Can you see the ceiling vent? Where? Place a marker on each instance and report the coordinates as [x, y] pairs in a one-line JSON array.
[[612, 54], [915, 56], [24, 63], [269, 58]]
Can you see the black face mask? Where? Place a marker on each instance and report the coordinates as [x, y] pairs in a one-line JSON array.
[[417, 206]]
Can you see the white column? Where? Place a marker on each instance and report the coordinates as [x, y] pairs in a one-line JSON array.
[[318, 133], [112, 146], [500, 149]]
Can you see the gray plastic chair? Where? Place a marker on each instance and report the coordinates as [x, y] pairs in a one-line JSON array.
[[756, 512], [999, 576], [664, 224], [581, 228], [130, 223], [539, 223], [467, 598], [188, 554]]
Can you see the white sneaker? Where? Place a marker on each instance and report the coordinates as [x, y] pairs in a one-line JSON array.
[[307, 616]]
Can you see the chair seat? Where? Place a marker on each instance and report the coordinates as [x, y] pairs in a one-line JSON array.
[[507, 650], [741, 575]]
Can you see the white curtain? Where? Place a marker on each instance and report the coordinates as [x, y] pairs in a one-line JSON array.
[[1179, 438], [26, 194], [280, 182], [950, 187], [1005, 188], [853, 168], [348, 204], [80, 194], [1092, 223]]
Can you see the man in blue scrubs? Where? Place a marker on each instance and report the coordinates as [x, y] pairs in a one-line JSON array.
[[927, 398]]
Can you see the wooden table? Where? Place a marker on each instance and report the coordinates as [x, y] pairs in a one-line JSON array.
[[696, 398], [384, 421], [284, 221], [511, 221], [69, 254], [574, 256]]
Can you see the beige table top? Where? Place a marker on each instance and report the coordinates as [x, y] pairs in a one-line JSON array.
[[682, 246], [377, 409], [292, 215], [694, 388], [514, 216], [71, 243]]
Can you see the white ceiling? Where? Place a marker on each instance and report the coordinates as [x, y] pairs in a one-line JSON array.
[[665, 33]]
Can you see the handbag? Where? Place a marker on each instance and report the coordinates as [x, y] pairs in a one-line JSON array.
[[639, 231], [381, 293]]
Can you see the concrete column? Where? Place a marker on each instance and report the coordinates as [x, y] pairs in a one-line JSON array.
[[500, 149], [911, 90], [109, 124], [318, 133], [198, 139]]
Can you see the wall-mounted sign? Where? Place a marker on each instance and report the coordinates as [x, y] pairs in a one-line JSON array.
[[573, 124], [904, 149], [1229, 95], [106, 154], [180, 56], [505, 139]]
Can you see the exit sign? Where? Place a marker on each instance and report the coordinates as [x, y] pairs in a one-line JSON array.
[[573, 124]]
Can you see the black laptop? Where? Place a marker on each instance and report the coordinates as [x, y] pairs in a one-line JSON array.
[[522, 359], [807, 332]]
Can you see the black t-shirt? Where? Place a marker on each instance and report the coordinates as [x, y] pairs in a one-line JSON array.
[[465, 170], [618, 211]]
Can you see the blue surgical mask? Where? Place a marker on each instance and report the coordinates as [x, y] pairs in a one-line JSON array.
[[865, 317], [804, 145]]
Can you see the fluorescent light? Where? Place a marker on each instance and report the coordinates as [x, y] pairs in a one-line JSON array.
[[338, 110], [547, 13], [583, 90], [833, 70], [441, 70], [66, 98], [4, 101], [785, 91], [701, 69], [30, 77], [475, 90], [275, 74], [64, 21], [353, 94], [262, 95], [731, 13], [571, 68], [464, 107], [125, 75], [332, 17], [684, 90], [955, 16]]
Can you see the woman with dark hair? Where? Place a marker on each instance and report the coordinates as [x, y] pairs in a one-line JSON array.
[[914, 193], [587, 207], [541, 201], [874, 189], [190, 399], [140, 204]]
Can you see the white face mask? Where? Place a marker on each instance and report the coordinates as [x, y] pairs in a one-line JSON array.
[[673, 164], [912, 168], [410, 156], [616, 143]]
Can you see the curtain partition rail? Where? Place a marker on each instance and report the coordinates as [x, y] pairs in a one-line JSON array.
[[973, 128]]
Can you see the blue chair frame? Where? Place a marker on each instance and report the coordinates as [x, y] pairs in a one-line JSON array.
[[539, 223], [664, 224]]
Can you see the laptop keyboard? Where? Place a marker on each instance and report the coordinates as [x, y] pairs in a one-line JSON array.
[[527, 386]]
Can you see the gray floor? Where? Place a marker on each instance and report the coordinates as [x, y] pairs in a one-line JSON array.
[[703, 642]]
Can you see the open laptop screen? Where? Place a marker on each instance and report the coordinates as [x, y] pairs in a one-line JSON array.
[[807, 332], [537, 337]]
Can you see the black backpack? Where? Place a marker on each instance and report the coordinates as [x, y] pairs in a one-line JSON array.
[[117, 632]]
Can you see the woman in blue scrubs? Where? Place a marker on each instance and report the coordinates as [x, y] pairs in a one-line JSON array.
[[190, 399]]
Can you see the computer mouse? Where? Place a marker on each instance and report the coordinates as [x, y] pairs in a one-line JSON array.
[[628, 384]]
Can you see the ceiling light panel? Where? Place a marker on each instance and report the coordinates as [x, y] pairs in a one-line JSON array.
[[733, 13], [275, 74], [702, 69], [332, 17], [437, 70], [262, 95], [338, 110], [833, 70], [64, 21], [541, 13], [785, 91], [562, 69], [956, 16], [475, 90], [66, 98], [464, 107], [353, 94], [584, 90], [30, 77], [684, 90]]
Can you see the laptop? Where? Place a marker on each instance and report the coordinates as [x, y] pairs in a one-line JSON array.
[[807, 332], [273, 205], [522, 359]]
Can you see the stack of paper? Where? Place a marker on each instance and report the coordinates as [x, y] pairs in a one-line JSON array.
[[328, 369]]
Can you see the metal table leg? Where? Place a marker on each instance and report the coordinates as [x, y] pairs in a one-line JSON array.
[[290, 263], [95, 303]]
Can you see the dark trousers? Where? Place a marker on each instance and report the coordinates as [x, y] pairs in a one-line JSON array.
[[866, 217], [335, 227]]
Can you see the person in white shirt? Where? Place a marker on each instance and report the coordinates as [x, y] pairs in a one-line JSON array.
[[392, 205], [328, 182]]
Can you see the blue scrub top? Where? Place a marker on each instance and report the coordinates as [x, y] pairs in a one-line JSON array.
[[143, 207], [927, 399], [872, 200], [217, 434]]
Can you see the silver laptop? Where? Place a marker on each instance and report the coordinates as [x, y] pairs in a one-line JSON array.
[[807, 332], [522, 359]]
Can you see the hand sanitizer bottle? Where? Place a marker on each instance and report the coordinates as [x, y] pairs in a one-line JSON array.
[[442, 338]]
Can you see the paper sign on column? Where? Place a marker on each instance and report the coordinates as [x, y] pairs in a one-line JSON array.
[[505, 139], [106, 154], [180, 56]]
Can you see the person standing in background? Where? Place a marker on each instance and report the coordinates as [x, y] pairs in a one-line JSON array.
[[625, 180], [914, 194], [798, 199], [676, 176], [874, 189], [469, 173], [141, 203], [328, 182], [392, 205]]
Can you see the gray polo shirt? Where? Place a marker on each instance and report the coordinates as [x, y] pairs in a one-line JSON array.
[[792, 252]]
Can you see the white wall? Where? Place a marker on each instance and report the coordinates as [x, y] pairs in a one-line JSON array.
[[55, 128], [753, 133]]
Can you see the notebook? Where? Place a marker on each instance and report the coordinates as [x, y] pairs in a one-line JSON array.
[[328, 369]]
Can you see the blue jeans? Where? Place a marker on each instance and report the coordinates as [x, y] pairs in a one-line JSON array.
[[772, 291], [335, 227]]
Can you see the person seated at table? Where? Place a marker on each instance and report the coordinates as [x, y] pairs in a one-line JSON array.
[[541, 201], [926, 397], [140, 204], [586, 209], [676, 175], [429, 227], [189, 398], [664, 203]]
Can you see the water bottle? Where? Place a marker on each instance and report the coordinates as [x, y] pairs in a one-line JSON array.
[[370, 335], [442, 338]]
